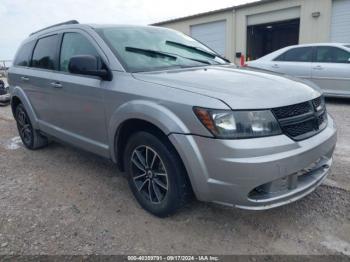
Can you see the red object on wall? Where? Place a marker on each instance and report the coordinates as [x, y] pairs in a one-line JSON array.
[[242, 62]]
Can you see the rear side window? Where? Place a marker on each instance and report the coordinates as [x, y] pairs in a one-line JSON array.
[[329, 54], [45, 51], [24, 54], [74, 44], [300, 54]]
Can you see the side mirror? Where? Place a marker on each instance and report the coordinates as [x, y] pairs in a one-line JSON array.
[[88, 65]]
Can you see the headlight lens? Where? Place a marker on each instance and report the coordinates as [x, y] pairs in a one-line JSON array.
[[238, 124]]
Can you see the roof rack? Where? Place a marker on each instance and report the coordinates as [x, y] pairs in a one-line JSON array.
[[70, 22]]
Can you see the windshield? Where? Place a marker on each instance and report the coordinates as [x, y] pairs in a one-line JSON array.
[[148, 49]]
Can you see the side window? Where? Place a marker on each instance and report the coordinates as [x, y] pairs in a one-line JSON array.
[[300, 54], [24, 54], [45, 51], [328, 54], [74, 44]]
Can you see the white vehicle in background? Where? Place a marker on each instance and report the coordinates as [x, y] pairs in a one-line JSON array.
[[327, 65]]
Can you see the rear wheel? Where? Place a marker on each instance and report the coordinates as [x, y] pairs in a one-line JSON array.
[[31, 138], [156, 174]]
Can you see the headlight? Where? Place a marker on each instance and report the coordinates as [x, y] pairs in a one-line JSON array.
[[238, 124]]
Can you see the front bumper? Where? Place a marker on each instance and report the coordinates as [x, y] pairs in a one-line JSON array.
[[259, 173]]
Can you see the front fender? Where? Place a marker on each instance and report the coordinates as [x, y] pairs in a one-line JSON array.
[[17, 92], [152, 112]]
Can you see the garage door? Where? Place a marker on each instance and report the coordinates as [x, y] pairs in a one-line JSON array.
[[211, 34], [274, 16], [340, 30]]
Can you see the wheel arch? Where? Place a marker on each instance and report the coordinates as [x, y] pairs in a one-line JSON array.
[[127, 129], [131, 126], [145, 114], [19, 97]]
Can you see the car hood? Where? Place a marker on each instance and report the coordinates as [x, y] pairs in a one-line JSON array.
[[238, 88]]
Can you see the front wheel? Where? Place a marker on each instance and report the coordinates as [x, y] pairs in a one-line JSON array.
[[156, 175]]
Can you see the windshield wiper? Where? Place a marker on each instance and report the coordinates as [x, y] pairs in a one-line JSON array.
[[197, 49], [194, 59], [165, 54], [149, 52]]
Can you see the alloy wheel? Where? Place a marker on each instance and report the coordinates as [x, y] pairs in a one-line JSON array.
[[149, 174], [24, 126]]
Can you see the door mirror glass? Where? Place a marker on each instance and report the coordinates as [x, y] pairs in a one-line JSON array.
[[87, 65]]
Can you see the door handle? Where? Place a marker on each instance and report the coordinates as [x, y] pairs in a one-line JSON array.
[[24, 78], [318, 67], [275, 66], [56, 84]]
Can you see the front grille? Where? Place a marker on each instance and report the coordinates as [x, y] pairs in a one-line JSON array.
[[317, 102], [300, 128], [303, 120], [293, 110]]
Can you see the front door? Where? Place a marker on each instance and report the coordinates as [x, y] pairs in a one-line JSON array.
[[78, 100], [295, 62], [331, 70]]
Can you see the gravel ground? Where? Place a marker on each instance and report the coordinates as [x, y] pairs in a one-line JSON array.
[[60, 200]]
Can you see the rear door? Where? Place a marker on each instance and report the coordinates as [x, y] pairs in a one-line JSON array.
[[295, 62], [37, 77], [18, 73], [331, 70]]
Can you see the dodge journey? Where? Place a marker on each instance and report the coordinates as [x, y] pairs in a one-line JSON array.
[[177, 117]]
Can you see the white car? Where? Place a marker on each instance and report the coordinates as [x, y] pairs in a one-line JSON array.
[[327, 65]]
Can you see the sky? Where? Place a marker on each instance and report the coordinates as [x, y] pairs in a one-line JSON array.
[[18, 18]]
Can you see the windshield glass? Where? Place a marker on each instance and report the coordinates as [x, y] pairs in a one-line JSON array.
[[142, 49]]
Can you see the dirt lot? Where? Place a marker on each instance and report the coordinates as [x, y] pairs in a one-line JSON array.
[[60, 200]]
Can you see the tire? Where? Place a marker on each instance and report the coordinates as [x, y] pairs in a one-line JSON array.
[[31, 138], [161, 186]]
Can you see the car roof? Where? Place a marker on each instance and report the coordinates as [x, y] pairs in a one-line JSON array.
[[321, 44], [73, 24], [122, 26]]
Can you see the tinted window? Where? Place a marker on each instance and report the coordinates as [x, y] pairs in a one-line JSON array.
[[74, 44], [24, 54], [301, 54], [328, 54], [44, 55]]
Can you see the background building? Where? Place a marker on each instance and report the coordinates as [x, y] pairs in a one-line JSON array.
[[259, 28]]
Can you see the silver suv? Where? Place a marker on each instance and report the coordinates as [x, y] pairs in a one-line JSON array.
[[177, 117]]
